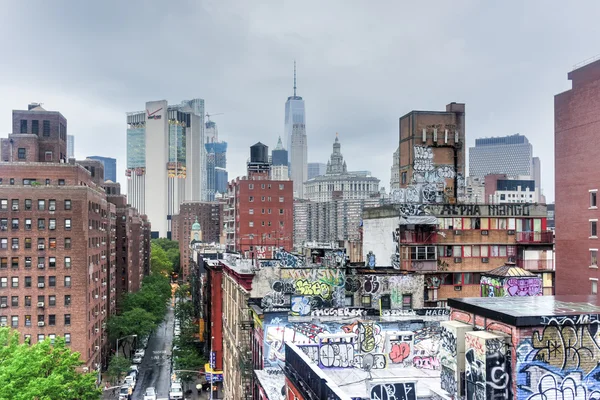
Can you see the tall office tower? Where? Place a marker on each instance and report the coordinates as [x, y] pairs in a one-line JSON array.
[[576, 162], [536, 173], [216, 161], [510, 155], [110, 167], [279, 163], [432, 156], [395, 172], [70, 146], [166, 160], [316, 169], [296, 141]]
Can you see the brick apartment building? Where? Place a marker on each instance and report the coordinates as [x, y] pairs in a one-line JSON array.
[[210, 217], [576, 125], [259, 216], [57, 239]]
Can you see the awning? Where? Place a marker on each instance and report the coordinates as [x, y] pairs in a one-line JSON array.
[[419, 220]]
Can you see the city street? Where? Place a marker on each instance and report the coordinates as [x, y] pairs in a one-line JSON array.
[[155, 369]]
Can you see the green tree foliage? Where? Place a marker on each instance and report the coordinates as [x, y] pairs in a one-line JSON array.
[[42, 371], [159, 261], [117, 367], [183, 292], [166, 244], [171, 253], [173, 256], [184, 311], [132, 322]]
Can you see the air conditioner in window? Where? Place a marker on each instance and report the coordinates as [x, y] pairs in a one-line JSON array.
[[96, 313], [40, 304], [103, 283], [3, 228], [15, 208], [40, 285], [96, 330], [457, 259], [15, 246], [485, 232], [95, 296], [3, 305], [96, 347], [485, 260], [104, 297], [90, 227], [41, 247], [51, 208], [96, 279], [41, 323], [3, 324], [41, 266], [458, 232], [457, 288], [510, 232]]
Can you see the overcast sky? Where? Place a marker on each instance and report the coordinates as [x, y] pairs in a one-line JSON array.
[[361, 65]]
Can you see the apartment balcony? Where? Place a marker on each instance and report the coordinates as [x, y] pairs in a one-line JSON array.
[[419, 265], [536, 264], [414, 237], [535, 237]]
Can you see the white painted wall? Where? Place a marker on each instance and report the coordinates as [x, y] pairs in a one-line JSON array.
[[156, 166], [378, 238]]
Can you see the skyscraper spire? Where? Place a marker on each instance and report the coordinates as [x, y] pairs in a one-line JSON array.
[[294, 78]]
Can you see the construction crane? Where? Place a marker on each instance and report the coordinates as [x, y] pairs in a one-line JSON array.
[[212, 115]]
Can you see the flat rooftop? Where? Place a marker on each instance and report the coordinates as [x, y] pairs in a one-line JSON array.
[[272, 380], [531, 311]]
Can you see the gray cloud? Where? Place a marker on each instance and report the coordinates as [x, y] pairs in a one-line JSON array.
[[361, 64]]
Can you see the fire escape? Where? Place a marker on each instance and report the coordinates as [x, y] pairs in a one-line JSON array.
[[245, 349]]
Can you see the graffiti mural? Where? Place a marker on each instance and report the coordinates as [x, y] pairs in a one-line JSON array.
[[288, 260], [394, 391], [487, 367], [370, 260], [492, 286]]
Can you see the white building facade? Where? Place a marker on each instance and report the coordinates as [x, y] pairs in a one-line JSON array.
[[165, 160]]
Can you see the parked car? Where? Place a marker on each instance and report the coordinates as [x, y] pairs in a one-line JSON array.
[[133, 368], [145, 342], [176, 392], [137, 360], [150, 394], [140, 352], [125, 392], [130, 380]]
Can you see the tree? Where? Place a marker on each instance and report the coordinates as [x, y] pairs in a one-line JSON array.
[[159, 262], [173, 256], [133, 322], [117, 367], [42, 371], [184, 311]]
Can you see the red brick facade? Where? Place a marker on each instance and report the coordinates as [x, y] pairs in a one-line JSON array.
[[576, 126]]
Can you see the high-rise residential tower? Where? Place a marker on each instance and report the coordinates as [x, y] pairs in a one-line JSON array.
[[165, 160], [511, 155], [110, 167], [295, 131], [70, 146], [216, 161]]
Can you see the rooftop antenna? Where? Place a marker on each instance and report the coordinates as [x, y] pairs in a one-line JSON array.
[[294, 78]]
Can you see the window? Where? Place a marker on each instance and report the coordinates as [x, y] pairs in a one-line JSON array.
[[365, 300], [47, 182], [67, 281], [67, 204], [349, 301], [3, 320], [4, 262], [27, 281], [281, 186], [28, 204], [52, 281], [262, 198], [15, 243], [14, 301], [4, 282], [67, 262], [3, 204], [52, 262], [35, 127], [3, 224], [67, 243], [251, 199], [15, 223], [14, 262], [594, 286], [14, 321], [251, 224], [403, 178], [262, 186], [251, 211], [281, 224], [67, 299], [52, 243], [41, 205], [41, 336], [27, 224], [281, 211], [422, 253], [4, 301], [250, 186], [61, 182], [263, 223], [27, 262], [22, 153], [67, 338], [51, 320], [41, 224], [14, 282], [28, 320], [48, 156], [41, 281], [27, 301], [67, 224], [281, 199], [594, 258], [269, 211], [52, 338], [67, 319], [593, 228], [46, 128], [4, 243], [23, 126]]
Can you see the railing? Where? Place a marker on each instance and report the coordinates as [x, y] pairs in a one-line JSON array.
[[418, 237], [535, 237], [536, 265], [419, 265]]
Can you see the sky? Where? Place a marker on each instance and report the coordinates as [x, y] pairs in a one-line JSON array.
[[361, 66]]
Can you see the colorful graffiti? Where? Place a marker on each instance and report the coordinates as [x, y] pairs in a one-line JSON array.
[[288, 260], [394, 391], [501, 287], [487, 364]]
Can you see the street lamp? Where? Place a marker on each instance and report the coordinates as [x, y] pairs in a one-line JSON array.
[[124, 337]]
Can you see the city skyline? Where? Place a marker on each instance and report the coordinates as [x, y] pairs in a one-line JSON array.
[[356, 93]]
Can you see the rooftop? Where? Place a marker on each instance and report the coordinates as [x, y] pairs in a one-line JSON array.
[[510, 270], [531, 311], [272, 380]]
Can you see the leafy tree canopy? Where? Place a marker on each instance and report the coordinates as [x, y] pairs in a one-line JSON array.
[[133, 322], [42, 371], [117, 366]]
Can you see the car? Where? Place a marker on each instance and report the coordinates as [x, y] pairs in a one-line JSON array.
[[176, 392], [150, 394], [145, 342], [137, 359], [133, 368], [140, 352], [177, 332], [125, 392], [130, 380]]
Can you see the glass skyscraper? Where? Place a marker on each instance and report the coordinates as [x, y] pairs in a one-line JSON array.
[[110, 167], [511, 155], [296, 140]]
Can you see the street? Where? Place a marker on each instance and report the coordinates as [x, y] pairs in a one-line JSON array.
[[155, 369]]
